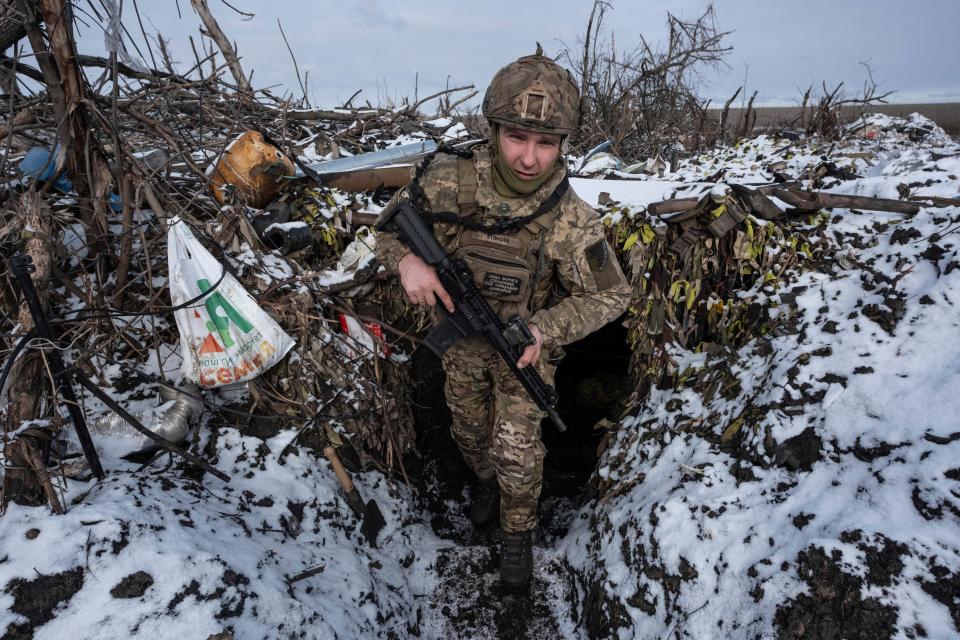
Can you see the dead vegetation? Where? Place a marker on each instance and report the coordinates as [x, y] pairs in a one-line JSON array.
[[820, 115], [645, 99], [116, 141], [122, 150]]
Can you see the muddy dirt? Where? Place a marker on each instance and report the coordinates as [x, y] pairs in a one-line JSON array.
[[37, 599], [232, 593], [133, 585], [946, 590], [469, 602], [834, 609]]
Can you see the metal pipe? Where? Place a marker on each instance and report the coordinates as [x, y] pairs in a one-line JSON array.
[[171, 420], [22, 267]]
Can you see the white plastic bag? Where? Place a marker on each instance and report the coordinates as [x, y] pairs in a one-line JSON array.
[[224, 337], [355, 254]]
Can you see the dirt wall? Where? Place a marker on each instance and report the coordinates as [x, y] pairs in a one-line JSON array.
[[945, 114]]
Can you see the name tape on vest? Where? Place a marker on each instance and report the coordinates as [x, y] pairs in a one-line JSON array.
[[499, 239]]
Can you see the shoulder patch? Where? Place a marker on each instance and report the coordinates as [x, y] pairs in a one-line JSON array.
[[597, 255]]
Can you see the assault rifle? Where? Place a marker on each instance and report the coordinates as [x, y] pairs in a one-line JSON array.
[[472, 314]]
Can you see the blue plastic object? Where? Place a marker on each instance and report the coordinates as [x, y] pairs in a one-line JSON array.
[[40, 163]]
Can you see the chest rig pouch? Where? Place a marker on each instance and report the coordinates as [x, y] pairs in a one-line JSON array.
[[505, 265]]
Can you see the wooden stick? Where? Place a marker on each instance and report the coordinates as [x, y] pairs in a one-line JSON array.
[[167, 136], [336, 116], [40, 469], [726, 112], [154, 203], [130, 72], [936, 201], [87, 167], [200, 6], [814, 200], [676, 205], [338, 468], [413, 108], [307, 573], [296, 67], [126, 241]]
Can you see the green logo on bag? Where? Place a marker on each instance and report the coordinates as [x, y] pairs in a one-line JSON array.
[[221, 323]]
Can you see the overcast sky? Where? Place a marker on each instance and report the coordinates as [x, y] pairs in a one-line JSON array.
[[382, 47]]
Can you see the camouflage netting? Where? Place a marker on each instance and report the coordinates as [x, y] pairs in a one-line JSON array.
[[762, 468], [706, 281], [715, 284], [704, 287]]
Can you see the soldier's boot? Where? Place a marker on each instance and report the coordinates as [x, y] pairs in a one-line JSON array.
[[486, 503], [516, 560]]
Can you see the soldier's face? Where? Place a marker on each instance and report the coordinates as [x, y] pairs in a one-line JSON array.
[[529, 153]]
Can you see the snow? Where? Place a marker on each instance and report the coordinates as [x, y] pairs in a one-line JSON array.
[[600, 163], [74, 239], [439, 123], [182, 532], [873, 387], [629, 193], [456, 132], [286, 226], [679, 546]]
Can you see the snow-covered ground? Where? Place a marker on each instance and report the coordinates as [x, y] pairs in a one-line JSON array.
[[833, 509], [845, 524]]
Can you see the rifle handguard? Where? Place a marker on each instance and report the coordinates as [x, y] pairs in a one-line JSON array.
[[472, 313]]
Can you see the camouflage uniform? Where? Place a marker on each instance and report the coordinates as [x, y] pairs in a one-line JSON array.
[[576, 288]]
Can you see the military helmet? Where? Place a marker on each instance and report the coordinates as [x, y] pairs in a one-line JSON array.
[[534, 93]]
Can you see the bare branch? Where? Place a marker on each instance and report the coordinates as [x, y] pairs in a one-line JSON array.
[[213, 28], [645, 99]]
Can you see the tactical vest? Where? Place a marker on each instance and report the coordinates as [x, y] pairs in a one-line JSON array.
[[508, 267]]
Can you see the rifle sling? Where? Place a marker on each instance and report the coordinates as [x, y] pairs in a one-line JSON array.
[[505, 225]]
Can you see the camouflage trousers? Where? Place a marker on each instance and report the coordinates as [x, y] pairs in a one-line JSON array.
[[497, 427]]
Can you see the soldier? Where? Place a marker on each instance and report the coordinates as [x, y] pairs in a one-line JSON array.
[[535, 249]]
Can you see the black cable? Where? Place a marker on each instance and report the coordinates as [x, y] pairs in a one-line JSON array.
[[8, 365], [504, 225], [106, 312], [149, 377]]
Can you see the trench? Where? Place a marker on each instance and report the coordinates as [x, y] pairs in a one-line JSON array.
[[590, 380]]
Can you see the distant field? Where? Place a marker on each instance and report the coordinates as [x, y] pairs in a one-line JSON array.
[[947, 114]]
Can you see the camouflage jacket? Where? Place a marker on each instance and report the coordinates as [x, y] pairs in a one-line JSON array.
[[577, 286]]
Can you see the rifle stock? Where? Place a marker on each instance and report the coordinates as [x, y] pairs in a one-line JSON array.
[[472, 313]]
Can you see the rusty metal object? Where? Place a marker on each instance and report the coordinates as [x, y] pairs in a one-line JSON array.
[[676, 205], [369, 179], [815, 200], [254, 167]]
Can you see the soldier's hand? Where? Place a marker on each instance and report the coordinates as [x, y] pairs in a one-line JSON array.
[[531, 354], [420, 282]]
